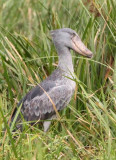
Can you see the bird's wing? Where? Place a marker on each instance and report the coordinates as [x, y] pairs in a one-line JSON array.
[[41, 105]]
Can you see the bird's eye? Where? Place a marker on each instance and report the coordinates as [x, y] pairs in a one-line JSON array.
[[73, 35]]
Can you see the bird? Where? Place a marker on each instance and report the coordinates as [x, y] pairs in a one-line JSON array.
[[58, 88]]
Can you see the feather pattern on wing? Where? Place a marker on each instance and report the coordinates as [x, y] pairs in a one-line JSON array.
[[40, 106]]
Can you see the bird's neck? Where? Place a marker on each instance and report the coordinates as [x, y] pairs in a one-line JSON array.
[[65, 60]]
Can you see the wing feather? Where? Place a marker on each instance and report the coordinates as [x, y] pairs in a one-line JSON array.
[[41, 105]]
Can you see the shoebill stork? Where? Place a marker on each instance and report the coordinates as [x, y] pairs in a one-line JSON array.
[[59, 86]]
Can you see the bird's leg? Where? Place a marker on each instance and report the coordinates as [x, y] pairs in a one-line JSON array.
[[46, 124]]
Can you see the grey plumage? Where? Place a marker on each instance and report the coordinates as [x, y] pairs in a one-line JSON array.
[[36, 105]]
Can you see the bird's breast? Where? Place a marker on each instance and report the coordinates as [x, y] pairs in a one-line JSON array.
[[70, 83]]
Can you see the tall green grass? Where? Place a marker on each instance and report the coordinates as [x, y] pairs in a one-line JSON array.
[[87, 129]]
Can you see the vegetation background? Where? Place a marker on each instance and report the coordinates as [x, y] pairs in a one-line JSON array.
[[87, 128]]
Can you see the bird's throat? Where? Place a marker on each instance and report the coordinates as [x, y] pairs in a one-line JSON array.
[[65, 61]]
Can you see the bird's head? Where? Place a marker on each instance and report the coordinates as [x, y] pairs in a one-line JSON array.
[[67, 37]]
